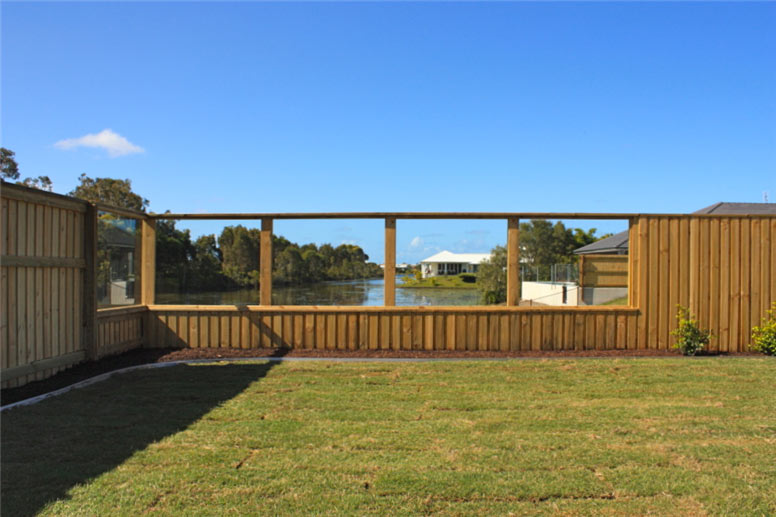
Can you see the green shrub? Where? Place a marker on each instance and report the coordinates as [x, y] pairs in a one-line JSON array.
[[690, 338], [468, 278], [764, 337]]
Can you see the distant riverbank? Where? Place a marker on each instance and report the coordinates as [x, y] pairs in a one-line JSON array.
[[346, 292], [462, 281]]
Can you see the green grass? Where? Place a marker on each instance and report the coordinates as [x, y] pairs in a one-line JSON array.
[[572, 437], [447, 281], [617, 301]]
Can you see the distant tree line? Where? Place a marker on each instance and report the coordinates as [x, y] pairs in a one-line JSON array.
[[231, 260]]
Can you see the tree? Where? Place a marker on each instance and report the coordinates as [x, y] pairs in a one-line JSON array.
[[40, 183], [174, 253], [240, 248], [314, 264], [8, 166], [110, 191], [492, 277], [543, 244], [289, 266], [206, 266], [10, 169]]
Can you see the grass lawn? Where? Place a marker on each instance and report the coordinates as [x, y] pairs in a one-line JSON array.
[[573, 437], [449, 281]]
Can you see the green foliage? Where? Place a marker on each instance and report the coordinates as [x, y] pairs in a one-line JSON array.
[[690, 338], [240, 250], [764, 336], [111, 191], [8, 166], [492, 277], [468, 278], [462, 281], [544, 244], [10, 169], [40, 183], [232, 261]]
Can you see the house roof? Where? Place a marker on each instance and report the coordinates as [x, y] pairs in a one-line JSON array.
[[618, 243], [465, 258], [118, 237], [723, 208]]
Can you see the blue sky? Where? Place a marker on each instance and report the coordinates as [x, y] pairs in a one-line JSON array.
[[270, 107]]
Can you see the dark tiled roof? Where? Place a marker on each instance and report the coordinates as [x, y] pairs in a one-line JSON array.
[[723, 208], [118, 237], [618, 243]]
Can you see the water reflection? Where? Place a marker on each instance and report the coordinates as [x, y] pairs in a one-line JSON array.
[[350, 292]]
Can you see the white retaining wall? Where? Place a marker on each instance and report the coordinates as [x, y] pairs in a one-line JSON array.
[[548, 293]]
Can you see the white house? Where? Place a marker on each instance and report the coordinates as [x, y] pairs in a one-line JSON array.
[[449, 263]]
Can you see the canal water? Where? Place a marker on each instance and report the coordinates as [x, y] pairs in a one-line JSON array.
[[349, 292]]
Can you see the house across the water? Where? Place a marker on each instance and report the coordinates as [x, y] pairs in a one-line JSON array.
[[449, 263]]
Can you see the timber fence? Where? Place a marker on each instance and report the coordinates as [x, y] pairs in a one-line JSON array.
[[722, 267]]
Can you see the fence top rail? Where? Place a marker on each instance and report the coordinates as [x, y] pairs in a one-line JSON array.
[[42, 197], [437, 215], [23, 193], [398, 309], [124, 212]]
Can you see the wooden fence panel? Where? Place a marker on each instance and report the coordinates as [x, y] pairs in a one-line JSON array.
[[725, 275], [121, 329], [41, 270], [604, 270], [401, 328]]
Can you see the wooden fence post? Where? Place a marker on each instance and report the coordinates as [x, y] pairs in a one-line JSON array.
[[513, 261], [147, 292], [389, 273], [632, 258], [89, 334], [265, 262], [147, 261]]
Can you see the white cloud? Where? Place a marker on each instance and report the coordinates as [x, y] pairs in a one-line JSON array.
[[417, 242], [114, 143]]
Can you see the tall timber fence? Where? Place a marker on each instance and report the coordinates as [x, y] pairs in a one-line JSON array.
[[722, 267]]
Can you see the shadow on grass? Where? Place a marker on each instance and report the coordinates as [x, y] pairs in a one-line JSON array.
[[51, 447]]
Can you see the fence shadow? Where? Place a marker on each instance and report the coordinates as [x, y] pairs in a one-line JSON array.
[[51, 447]]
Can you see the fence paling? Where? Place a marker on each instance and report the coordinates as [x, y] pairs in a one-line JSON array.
[[400, 328]]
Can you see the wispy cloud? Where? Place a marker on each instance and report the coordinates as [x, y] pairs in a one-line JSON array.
[[113, 143], [415, 243]]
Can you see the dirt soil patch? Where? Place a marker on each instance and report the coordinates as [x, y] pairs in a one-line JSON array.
[[90, 369]]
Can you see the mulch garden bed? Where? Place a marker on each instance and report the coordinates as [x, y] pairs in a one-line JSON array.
[[90, 369]]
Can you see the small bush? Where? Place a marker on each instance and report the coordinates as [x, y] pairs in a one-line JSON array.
[[690, 339], [764, 337]]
